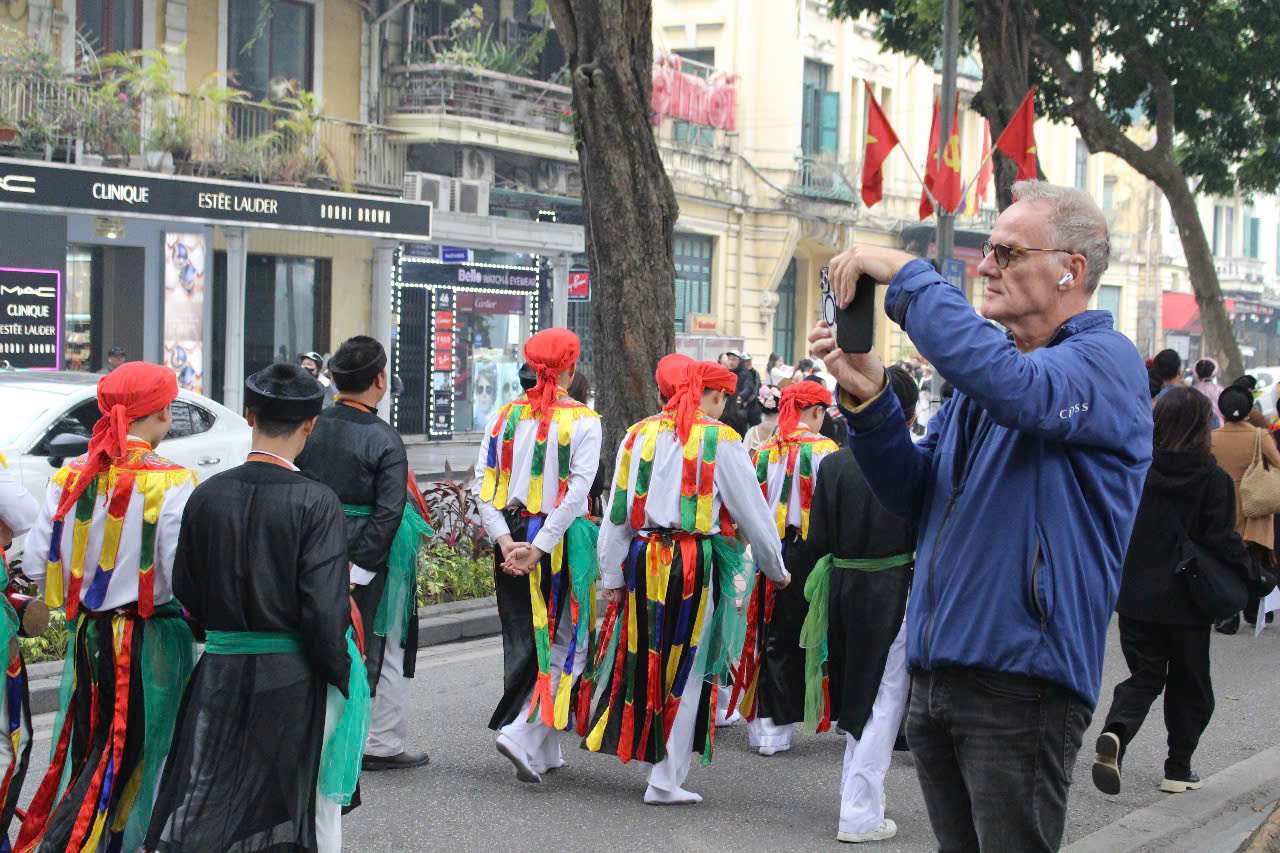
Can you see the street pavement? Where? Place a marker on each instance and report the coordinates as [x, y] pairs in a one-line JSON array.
[[468, 798]]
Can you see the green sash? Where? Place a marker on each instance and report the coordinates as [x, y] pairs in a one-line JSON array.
[[400, 598], [343, 749], [813, 634]]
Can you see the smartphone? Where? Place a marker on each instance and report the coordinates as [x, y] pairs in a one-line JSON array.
[[855, 325]]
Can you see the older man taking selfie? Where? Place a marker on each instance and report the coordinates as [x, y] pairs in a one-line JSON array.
[[1024, 493]]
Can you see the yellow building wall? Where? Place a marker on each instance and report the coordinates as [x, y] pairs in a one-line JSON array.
[[352, 271]]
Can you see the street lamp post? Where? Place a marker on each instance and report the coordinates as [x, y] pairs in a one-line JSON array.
[[950, 57]]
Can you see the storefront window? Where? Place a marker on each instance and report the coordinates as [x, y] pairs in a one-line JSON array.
[[491, 328], [78, 331], [286, 309]]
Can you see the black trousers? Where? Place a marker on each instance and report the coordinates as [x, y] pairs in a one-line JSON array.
[[994, 753], [1169, 658]]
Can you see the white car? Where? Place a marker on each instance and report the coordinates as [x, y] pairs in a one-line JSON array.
[[39, 406]]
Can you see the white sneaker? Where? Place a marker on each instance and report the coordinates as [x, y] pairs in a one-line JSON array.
[[773, 750], [513, 753], [886, 830], [730, 721]]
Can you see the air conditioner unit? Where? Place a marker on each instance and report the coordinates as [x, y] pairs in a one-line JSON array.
[[474, 164], [471, 197], [552, 178], [423, 186]]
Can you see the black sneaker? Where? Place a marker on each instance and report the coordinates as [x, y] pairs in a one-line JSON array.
[[1180, 783], [1106, 764], [1228, 626], [403, 761]]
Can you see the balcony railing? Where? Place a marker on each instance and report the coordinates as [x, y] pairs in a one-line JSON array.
[[242, 140], [822, 179], [452, 90], [1250, 271]]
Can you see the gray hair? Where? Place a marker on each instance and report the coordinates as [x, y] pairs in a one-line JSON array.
[[1079, 224]]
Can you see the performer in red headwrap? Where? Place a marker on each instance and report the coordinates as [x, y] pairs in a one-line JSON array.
[[770, 676], [668, 565], [537, 461], [103, 548]]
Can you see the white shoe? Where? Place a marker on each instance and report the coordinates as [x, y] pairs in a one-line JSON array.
[[730, 721], [886, 830], [773, 750], [679, 797], [513, 753]]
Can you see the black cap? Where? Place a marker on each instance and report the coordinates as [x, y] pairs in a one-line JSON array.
[[313, 356], [284, 392], [116, 350], [528, 377]]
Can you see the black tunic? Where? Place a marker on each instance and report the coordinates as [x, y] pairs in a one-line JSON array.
[[262, 548], [362, 458], [866, 608]]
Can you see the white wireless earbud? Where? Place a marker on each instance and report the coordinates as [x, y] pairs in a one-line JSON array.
[[1066, 277]]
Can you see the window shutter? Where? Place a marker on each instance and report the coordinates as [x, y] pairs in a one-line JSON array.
[[829, 123]]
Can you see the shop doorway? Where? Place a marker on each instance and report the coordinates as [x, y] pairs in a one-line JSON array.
[[104, 294]]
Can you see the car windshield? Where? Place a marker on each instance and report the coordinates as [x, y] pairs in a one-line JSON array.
[[22, 407]]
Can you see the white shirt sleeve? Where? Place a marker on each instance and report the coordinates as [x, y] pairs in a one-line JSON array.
[[584, 459], [18, 509], [170, 524], [490, 516], [740, 491], [614, 540], [35, 554]]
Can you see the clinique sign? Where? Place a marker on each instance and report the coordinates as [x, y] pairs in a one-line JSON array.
[[34, 185]]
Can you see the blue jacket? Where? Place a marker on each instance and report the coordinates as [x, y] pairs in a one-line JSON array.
[[1024, 491]]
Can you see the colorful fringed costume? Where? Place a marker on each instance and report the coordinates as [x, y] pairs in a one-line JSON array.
[[109, 564], [534, 476], [18, 511], [770, 675], [683, 488]]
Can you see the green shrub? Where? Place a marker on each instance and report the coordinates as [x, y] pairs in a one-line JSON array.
[[448, 574], [51, 645]]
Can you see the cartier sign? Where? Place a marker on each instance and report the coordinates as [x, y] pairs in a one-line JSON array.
[[36, 185]]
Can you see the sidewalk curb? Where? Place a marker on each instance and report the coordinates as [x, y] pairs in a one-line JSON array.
[[1253, 782], [450, 622]]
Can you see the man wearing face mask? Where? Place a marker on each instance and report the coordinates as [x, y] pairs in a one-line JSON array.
[[1023, 493]]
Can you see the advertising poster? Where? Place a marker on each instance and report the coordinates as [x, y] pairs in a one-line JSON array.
[[30, 318], [184, 284]]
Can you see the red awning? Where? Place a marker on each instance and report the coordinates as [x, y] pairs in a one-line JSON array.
[[1180, 312]]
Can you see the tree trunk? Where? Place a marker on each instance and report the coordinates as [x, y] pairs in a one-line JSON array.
[[1219, 341], [629, 204], [1004, 30]]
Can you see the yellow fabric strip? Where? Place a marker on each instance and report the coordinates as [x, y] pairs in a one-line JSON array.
[[562, 701], [53, 592], [79, 544], [111, 530], [673, 664], [596, 737]]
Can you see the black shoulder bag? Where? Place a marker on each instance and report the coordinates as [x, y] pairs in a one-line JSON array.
[[1217, 590]]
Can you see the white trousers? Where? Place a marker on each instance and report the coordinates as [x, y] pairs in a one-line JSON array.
[[388, 724], [541, 744], [328, 813], [866, 759], [669, 773]]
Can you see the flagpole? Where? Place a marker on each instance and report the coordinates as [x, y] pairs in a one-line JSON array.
[[920, 178], [978, 173], [950, 58]]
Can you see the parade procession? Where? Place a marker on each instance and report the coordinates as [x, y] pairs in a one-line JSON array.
[[639, 425]]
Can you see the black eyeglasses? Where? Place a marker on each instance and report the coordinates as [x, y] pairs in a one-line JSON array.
[[1006, 253]]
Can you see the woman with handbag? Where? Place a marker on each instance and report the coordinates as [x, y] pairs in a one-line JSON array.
[[1185, 525], [1250, 456]]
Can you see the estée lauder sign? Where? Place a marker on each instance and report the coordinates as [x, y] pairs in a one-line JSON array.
[[37, 185]]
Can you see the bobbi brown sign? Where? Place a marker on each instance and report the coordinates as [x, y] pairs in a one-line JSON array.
[[51, 186]]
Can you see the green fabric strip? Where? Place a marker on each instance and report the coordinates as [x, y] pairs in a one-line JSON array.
[[539, 456], [580, 556], [806, 459], [252, 643], [84, 505], [618, 514], [356, 511], [147, 556], [399, 602], [762, 467], [562, 457], [342, 752], [813, 633]]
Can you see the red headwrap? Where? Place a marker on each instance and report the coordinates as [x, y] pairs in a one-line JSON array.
[[133, 390], [670, 367], [550, 353], [797, 397], [696, 378]]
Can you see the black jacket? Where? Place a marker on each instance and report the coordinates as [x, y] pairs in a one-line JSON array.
[[1188, 489]]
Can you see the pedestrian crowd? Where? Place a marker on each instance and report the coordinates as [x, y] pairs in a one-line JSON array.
[[786, 551]]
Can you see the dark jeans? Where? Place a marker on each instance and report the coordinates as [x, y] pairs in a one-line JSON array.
[[1172, 658], [994, 754]]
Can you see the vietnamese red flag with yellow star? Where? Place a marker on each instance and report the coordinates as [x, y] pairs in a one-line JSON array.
[[942, 174], [1018, 142], [881, 140], [983, 185]]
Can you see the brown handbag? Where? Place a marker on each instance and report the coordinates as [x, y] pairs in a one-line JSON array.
[[1260, 485]]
